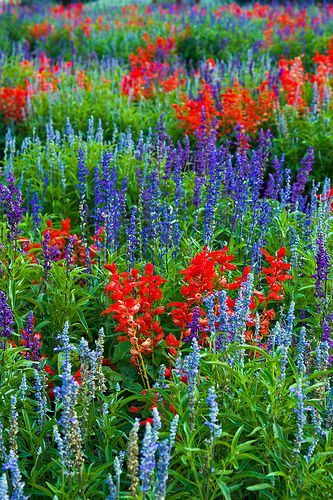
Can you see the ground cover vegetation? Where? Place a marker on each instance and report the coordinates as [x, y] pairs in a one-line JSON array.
[[166, 304]]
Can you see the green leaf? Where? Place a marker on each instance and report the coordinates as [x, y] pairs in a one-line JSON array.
[[121, 351], [260, 486], [224, 489]]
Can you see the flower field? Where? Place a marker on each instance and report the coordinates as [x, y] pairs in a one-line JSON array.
[[166, 299]]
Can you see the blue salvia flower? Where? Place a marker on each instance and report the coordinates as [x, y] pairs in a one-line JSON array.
[[83, 208], [98, 200], [59, 442], [69, 132], [100, 132], [113, 494], [152, 198], [255, 181], [132, 236], [302, 344], [293, 248], [46, 180], [302, 175], [157, 424], [2, 445], [4, 487], [61, 168], [317, 422], [27, 332], [212, 422], [91, 374], [286, 191], [223, 322], [164, 457], [160, 382], [110, 207], [162, 470], [147, 462], [83, 173], [323, 265], [13, 424], [118, 469], [140, 147], [321, 355], [270, 191], [6, 317], [68, 254], [191, 368], [23, 387], [91, 129], [213, 190], [96, 359], [70, 443], [179, 201], [329, 407], [177, 371], [311, 449], [199, 182], [11, 198], [40, 397], [173, 430], [50, 254], [97, 363], [36, 208], [275, 339], [286, 338], [301, 412], [242, 310], [166, 230], [148, 452], [15, 475], [194, 325]]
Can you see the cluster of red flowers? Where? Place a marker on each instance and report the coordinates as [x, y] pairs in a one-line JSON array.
[[61, 238], [41, 30], [207, 275], [44, 79], [13, 103], [134, 308], [192, 112], [323, 73], [292, 78], [131, 17], [70, 11], [239, 107], [202, 280], [284, 22], [74, 19], [251, 110], [136, 312], [274, 275], [149, 71], [257, 10]]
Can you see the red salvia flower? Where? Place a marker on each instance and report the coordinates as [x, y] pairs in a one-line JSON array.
[[134, 308]]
